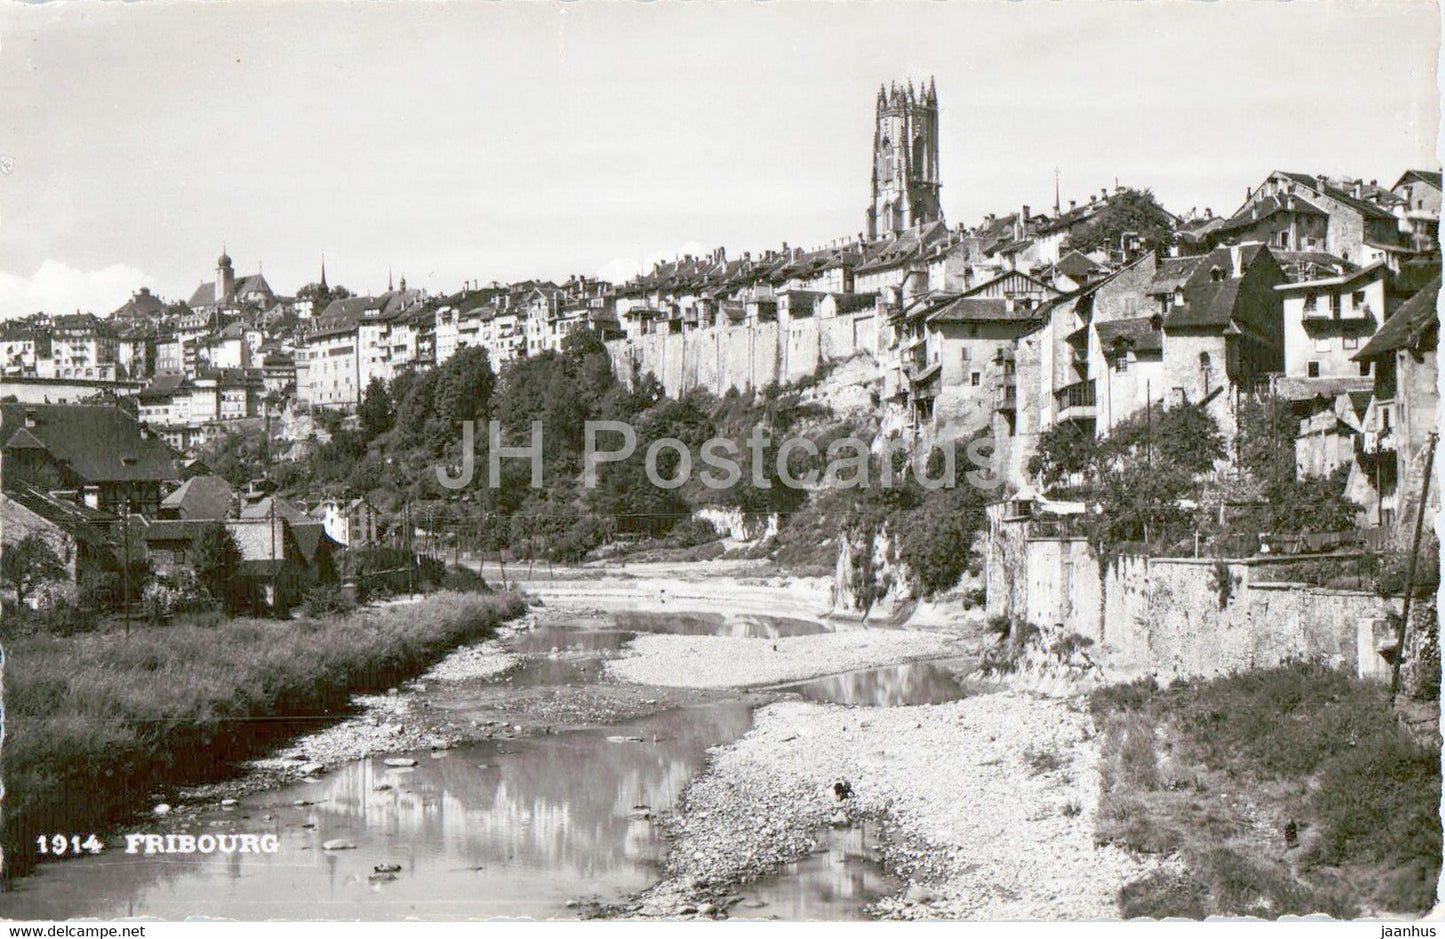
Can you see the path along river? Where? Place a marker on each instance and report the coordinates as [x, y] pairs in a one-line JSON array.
[[554, 812]]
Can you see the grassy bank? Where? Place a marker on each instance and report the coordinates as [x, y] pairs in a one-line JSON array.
[[96, 723], [1290, 790]]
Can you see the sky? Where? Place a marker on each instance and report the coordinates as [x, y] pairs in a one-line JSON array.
[[501, 140]]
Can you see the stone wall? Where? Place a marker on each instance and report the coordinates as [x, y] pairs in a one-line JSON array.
[[1176, 617], [744, 356]]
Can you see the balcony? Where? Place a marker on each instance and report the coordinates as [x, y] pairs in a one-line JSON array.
[[1380, 441], [1076, 402], [1005, 398]]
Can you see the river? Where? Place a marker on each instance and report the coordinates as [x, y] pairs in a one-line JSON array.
[[538, 825]]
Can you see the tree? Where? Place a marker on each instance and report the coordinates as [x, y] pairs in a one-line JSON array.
[[1128, 211], [376, 411], [217, 561], [28, 563]]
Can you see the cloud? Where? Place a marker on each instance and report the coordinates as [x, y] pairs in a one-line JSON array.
[[620, 269], [56, 287]]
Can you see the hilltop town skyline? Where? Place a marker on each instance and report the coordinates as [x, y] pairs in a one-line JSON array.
[[553, 159]]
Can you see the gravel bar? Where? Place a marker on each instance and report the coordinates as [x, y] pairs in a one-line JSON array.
[[727, 662], [988, 806]]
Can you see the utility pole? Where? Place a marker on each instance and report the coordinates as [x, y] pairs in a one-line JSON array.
[[273, 552], [1410, 576], [125, 564]]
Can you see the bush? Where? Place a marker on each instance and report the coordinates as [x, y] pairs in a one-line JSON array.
[[691, 532], [326, 600], [464, 580], [174, 595]]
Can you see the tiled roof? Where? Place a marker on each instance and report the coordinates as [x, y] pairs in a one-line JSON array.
[[1076, 265], [99, 443], [982, 310], [201, 497], [1415, 325], [1430, 177], [261, 508], [1138, 333], [1205, 305]]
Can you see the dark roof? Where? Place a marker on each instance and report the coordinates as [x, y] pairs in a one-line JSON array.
[[1076, 265], [1205, 305], [982, 310], [174, 529], [99, 443], [310, 536], [1424, 176], [261, 508], [1415, 325], [1307, 389], [1139, 333], [201, 497]]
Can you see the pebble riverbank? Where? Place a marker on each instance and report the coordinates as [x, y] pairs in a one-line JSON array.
[[989, 803], [726, 662]]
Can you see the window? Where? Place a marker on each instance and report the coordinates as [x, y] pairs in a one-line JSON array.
[[1284, 239], [1322, 345], [1352, 342], [1314, 370], [1365, 369], [1121, 362], [975, 379], [967, 354], [1358, 298]]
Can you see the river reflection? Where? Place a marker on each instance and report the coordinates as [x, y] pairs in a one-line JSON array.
[[890, 686], [512, 828]]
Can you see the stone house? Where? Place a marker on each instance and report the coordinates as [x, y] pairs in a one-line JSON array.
[[1403, 413]]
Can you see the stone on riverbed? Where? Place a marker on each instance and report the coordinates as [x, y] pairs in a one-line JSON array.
[[399, 761], [309, 769], [338, 844]]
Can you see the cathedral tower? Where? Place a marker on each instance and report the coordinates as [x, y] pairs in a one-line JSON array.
[[905, 160]]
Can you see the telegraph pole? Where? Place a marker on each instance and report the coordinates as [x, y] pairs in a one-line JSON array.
[[1410, 576], [125, 564]]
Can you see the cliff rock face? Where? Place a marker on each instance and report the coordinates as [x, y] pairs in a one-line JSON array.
[[868, 578]]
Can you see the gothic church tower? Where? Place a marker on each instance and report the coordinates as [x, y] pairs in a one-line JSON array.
[[905, 160]]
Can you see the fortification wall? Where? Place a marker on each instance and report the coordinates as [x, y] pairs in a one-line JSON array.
[[1181, 617], [719, 358]]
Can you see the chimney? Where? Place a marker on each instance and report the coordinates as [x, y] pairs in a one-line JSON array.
[[1359, 189], [1321, 181], [1023, 213], [1072, 203], [1093, 198], [30, 418], [1104, 193], [1208, 212]]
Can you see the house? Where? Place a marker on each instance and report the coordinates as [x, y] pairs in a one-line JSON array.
[[1419, 208], [1300, 212], [273, 574], [105, 457], [200, 497], [82, 346], [1328, 320], [1215, 319], [349, 522], [1403, 414]]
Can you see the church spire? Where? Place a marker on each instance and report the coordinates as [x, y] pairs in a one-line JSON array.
[[323, 272], [389, 286]]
